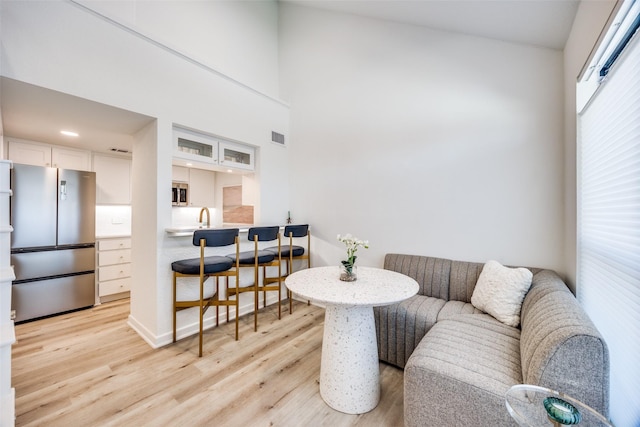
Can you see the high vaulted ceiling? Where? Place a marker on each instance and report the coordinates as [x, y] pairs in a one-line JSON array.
[[38, 114], [544, 23]]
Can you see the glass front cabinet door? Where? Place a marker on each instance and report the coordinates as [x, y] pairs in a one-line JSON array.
[[195, 146], [236, 155]]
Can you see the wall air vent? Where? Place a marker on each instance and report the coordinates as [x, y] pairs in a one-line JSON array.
[[277, 137], [119, 150]]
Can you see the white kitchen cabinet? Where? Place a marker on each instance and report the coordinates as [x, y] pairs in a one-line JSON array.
[[113, 180], [114, 272], [7, 330], [114, 268], [195, 146], [31, 153], [68, 158], [180, 174], [201, 188], [114, 243], [201, 182], [238, 156]]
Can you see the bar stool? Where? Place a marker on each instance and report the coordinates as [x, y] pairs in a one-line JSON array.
[[260, 258], [293, 252], [205, 267]]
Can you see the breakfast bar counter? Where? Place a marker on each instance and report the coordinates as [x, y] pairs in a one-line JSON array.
[[188, 230]]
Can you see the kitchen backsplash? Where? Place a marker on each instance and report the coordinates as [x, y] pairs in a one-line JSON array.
[[113, 220], [187, 216], [116, 220]]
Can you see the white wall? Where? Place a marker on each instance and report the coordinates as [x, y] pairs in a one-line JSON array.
[[587, 26], [64, 47], [422, 141], [151, 296]]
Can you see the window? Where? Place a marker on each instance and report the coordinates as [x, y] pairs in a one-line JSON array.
[[609, 210]]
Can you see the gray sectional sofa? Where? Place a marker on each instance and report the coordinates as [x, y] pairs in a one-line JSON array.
[[459, 362]]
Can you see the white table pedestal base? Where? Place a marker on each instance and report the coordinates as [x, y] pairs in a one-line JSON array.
[[350, 371]]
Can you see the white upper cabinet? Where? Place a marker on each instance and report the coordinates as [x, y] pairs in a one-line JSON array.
[[179, 174], [204, 151], [29, 153], [201, 185], [201, 188], [113, 180], [238, 156], [195, 146], [67, 158]]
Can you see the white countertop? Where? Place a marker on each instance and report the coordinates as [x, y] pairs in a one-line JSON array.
[[188, 230]]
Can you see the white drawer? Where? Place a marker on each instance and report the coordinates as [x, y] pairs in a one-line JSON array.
[[114, 257], [112, 244], [112, 272], [114, 286]]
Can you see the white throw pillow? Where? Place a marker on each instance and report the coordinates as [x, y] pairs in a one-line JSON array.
[[500, 291]]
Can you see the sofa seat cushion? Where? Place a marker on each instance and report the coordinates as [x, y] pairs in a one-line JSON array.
[[474, 356], [400, 327], [453, 309]]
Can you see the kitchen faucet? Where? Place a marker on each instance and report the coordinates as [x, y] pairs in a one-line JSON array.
[[208, 217]]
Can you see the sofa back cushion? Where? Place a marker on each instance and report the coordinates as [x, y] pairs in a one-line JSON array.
[[439, 278], [560, 347], [464, 276], [432, 274]]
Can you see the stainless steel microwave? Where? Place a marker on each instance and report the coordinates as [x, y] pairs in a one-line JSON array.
[[180, 194]]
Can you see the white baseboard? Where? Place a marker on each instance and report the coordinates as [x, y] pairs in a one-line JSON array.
[[193, 327], [8, 408]]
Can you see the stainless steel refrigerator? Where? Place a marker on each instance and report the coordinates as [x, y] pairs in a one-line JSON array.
[[53, 240]]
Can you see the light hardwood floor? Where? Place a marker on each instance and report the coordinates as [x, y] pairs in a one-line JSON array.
[[89, 368]]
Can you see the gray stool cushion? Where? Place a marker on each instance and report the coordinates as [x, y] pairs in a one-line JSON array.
[[248, 257], [284, 250], [212, 264]]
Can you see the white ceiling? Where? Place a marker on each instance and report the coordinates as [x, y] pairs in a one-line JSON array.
[[38, 114], [544, 23]]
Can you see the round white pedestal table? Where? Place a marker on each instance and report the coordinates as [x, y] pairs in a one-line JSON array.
[[349, 371]]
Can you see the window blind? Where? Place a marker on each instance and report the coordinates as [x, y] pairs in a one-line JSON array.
[[609, 226]]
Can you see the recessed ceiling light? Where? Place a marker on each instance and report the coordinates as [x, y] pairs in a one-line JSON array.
[[189, 164], [68, 133], [230, 170]]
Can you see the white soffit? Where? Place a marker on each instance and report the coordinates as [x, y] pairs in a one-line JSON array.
[[38, 114]]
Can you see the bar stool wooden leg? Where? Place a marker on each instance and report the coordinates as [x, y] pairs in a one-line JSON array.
[[174, 307], [255, 294]]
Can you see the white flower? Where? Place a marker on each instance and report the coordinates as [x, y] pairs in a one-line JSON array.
[[352, 243]]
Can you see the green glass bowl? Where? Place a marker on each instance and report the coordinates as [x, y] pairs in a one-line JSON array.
[[561, 411]]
